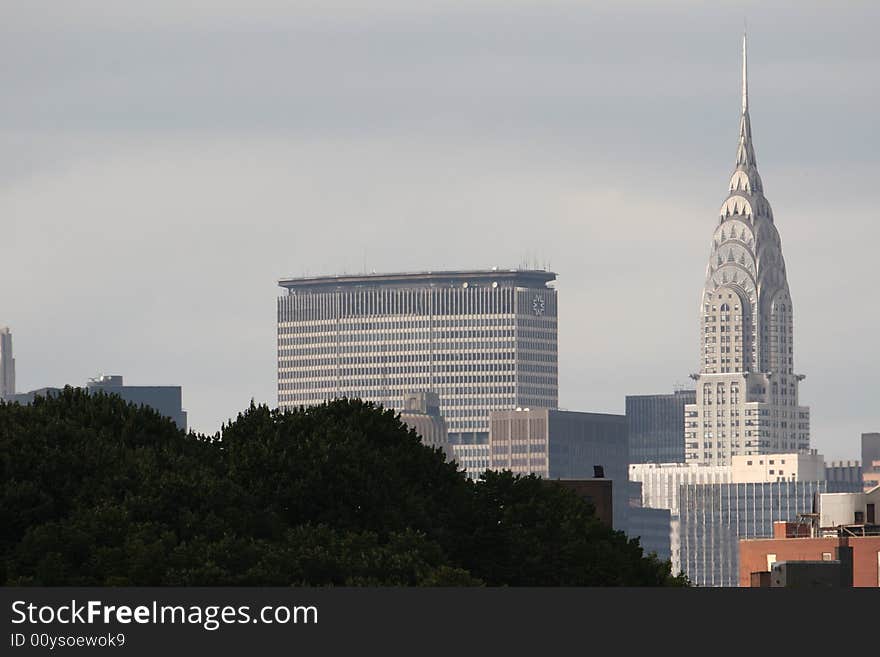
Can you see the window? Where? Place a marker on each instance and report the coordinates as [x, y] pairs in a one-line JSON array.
[[771, 559], [826, 556]]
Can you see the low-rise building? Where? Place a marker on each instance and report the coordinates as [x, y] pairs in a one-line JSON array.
[[843, 528]]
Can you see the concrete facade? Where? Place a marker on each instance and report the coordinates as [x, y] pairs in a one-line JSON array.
[[850, 509], [421, 411], [473, 458], [481, 340], [7, 364], [778, 467], [746, 388]]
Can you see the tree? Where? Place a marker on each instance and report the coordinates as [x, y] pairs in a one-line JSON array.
[[96, 491]]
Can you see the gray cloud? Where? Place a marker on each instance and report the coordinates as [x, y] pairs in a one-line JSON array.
[[165, 165]]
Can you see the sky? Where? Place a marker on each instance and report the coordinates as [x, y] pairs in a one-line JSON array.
[[165, 163]]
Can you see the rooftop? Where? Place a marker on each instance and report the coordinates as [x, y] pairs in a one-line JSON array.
[[454, 278]]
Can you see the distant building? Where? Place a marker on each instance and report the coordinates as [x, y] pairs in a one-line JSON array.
[[7, 364], [652, 528], [596, 491], [472, 457], [655, 426], [778, 467], [28, 397], [747, 388], [167, 400], [870, 460], [481, 339], [421, 411], [843, 528], [715, 517], [871, 475], [661, 485], [164, 399], [556, 444], [814, 574], [844, 476]]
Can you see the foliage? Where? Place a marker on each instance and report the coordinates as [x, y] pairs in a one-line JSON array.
[[95, 491]]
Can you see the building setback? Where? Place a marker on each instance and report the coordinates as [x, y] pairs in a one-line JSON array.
[[557, 444], [655, 426], [482, 340], [747, 389]]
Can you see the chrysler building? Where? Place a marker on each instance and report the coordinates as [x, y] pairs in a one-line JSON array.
[[747, 391]]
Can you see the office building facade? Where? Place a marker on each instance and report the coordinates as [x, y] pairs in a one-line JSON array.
[[715, 517], [7, 364], [655, 426], [747, 389], [481, 340], [421, 412], [473, 458], [166, 400], [661, 485], [557, 444], [870, 460], [844, 476]]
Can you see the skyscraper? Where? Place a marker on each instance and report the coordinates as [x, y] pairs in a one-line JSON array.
[[655, 426], [7, 364], [747, 391], [481, 340]]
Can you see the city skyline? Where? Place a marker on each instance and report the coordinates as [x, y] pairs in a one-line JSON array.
[[151, 217]]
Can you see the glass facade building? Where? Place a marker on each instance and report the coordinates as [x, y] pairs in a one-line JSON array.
[[557, 444], [714, 517], [481, 340], [655, 426]]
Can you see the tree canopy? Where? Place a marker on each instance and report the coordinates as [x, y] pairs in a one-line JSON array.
[[96, 491]]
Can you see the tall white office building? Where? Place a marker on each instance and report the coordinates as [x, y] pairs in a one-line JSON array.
[[7, 364], [747, 389], [481, 340]]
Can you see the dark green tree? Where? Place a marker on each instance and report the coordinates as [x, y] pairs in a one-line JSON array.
[[95, 491]]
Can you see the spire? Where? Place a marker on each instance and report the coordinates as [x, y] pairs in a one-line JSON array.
[[745, 91], [745, 152]]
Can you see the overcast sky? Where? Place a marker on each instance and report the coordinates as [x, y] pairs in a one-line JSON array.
[[164, 163]]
